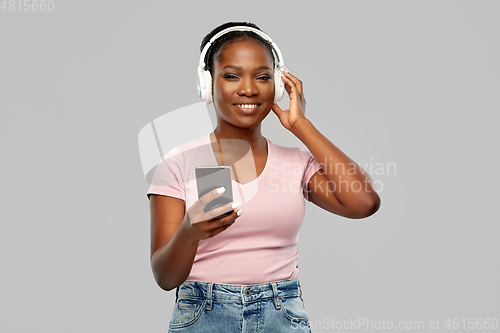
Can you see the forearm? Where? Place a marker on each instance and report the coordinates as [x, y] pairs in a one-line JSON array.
[[172, 263], [347, 180]]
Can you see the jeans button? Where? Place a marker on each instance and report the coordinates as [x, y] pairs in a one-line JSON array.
[[248, 292]]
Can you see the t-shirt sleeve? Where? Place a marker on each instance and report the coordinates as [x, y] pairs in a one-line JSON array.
[[167, 179], [311, 168]]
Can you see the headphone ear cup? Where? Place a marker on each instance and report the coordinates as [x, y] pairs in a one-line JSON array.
[[279, 85], [208, 80], [205, 86]]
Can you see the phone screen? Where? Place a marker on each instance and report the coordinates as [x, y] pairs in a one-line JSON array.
[[209, 178]]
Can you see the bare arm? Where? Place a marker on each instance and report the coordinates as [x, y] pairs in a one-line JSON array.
[[172, 252], [342, 186], [174, 239]]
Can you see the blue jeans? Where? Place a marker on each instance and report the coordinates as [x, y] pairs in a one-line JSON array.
[[212, 307]]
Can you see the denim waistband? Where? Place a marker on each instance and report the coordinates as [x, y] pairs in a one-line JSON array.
[[242, 293]]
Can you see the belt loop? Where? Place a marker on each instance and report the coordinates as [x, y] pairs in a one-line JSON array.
[[277, 302], [176, 294], [209, 296]]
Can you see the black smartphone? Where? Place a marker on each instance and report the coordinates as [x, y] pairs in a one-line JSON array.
[[209, 178]]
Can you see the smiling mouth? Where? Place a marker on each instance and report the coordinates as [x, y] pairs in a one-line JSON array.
[[247, 106]]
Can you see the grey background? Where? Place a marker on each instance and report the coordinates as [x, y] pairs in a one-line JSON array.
[[411, 83]]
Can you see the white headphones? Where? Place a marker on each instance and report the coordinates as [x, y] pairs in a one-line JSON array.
[[205, 79]]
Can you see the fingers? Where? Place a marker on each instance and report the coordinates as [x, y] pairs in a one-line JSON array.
[[221, 210], [204, 200], [223, 221], [277, 109], [293, 82], [217, 226], [197, 212], [203, 225], [297, 82], [287, 84]]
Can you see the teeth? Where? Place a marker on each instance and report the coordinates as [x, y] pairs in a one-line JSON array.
[[247, 106]]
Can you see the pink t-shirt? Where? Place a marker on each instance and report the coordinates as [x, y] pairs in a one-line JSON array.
[[261, 246]]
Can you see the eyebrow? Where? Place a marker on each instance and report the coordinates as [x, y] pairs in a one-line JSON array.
[[239, 68]]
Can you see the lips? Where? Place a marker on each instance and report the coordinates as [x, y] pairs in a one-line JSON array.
[[247, 108]]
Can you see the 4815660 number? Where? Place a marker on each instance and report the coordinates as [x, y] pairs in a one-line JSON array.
[[471, 323], [27, 5]]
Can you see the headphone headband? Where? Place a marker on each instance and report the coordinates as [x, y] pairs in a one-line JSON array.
[[277, 52]]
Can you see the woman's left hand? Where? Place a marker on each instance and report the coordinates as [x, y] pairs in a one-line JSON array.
[[293, 87]]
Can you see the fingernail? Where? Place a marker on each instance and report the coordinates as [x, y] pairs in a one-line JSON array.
[[236, 204], [239, 212], [221, 189]]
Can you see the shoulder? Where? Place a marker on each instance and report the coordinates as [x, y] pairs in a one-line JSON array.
[[290, 153], [190, 147], [196, 143]]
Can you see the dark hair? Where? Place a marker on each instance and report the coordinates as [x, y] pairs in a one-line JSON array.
[[215, 51]]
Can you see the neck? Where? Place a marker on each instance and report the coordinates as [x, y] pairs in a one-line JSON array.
[[252, 135], [235, 150]]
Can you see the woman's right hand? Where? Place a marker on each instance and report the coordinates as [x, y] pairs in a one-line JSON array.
[[202, 225]]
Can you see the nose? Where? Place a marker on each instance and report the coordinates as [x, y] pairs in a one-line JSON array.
[[247, 87]]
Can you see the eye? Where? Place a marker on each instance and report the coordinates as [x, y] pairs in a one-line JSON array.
[[265, 77], [230, 76]]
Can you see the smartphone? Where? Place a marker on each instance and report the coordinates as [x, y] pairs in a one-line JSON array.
[[208, 178]]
